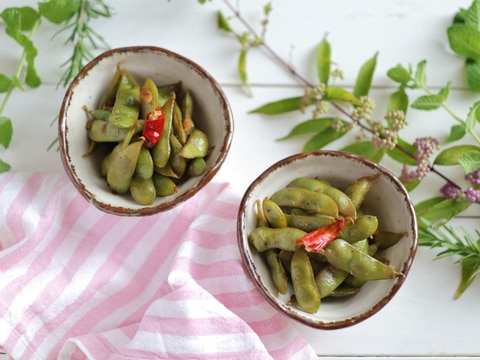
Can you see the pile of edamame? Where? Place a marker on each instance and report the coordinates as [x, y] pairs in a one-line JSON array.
[[150, 140], [348, 259]]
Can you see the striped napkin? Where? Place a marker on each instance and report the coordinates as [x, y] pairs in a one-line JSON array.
[[77, 283]]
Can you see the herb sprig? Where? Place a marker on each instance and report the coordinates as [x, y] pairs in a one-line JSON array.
[[22, 23], [382, 138]]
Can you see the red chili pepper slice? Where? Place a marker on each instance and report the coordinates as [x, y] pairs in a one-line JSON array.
[[153, 127], [318, 239]]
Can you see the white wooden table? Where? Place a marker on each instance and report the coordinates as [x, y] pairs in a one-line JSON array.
[[422, 321]]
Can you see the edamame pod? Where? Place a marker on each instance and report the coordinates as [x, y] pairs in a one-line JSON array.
[[103, 131], [187, 110], [362, 228], [277, 271], [148, 97], [345, 205], [303, 280], [197, 145], [274, 215], [358, 189], [196, 167], [343, 255], [142, 190], [328, 279], [309, 223], [178, 129], [306, 200], [161, 151], [164, 185], [126, 109], [385, 239], [263, 238], [122, 167], [144, 168], [108, 98], [177, 162]]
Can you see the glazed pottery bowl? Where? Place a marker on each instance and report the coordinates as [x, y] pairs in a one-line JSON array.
[[387, 200], [211, 114]]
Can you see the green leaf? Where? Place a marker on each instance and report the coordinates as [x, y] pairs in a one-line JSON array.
[[472, 117], [464, 40], [421, 74], [470, 161], [411, 185], [340, 95], [428, 102], [6, 131], [279, 107], [4, 167], [452, 155], [323, 61], [58, 11], [364, 77], [425, 205], [366, 149], [400, 74], [308, 127], [400, 156], [29, 17], [323, 138], [13, 20], [457, 132], [445, 91], [222, 23], [5, 83], [443, 211], [470, 270], [472, 16], [472, 72], [398, 101]]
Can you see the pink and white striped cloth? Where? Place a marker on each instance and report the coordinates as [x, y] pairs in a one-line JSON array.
[[77, 283]]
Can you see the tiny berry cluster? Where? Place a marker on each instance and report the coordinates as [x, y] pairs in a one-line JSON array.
[[424, 146]]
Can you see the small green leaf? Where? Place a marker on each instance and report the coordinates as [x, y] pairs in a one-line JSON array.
[[411, 185], [340, 95], [421, 74], [445, 91], [364, 77], [222, 23], [4, 167], [464, 40], [452, 155], [444, 210], [472, 71], [6, 131], [308, 127], [402, 156], [323, 138], [29, 17], [470, 270], [5, 83], [58, 11], [457, 132], [366, 149], [423, 206], [398, 101], [279, 107], [470, 161], [428, 102], [323, 61], [472, 117], [400, 74]]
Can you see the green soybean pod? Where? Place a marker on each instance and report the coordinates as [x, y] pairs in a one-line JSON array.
[[303, 280], [345, 256], [144, 168], [362, 228], [263, 238], [306, 200], [274, 214], [142, 190], [126, 108], [309, 223], [261, 219], [329, 278], [385, 239], [103, 131], [177, 162], [164, 185], [177, 122], [359, 188], [196, 167], [122, 167], [197, 145], [344, 291], [345, 205], [277, 271], [161, 150]]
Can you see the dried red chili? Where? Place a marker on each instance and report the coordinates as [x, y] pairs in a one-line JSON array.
[[153, 127], [318, 239]]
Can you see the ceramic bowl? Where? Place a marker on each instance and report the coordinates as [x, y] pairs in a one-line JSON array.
[[212, 114], [387, 199]]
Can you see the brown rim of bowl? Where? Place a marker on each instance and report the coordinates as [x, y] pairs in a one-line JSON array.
[[205, 179], [250, 267]]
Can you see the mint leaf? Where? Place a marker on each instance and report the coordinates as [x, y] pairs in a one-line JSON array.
[[472, 70], [6, 131], [398, 101], [472, 16], [452, 155], [457, 132], [399, 74], [428, 102], [5, 83], [421, 74], [464, 41], [470, 161], [58, 11]]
